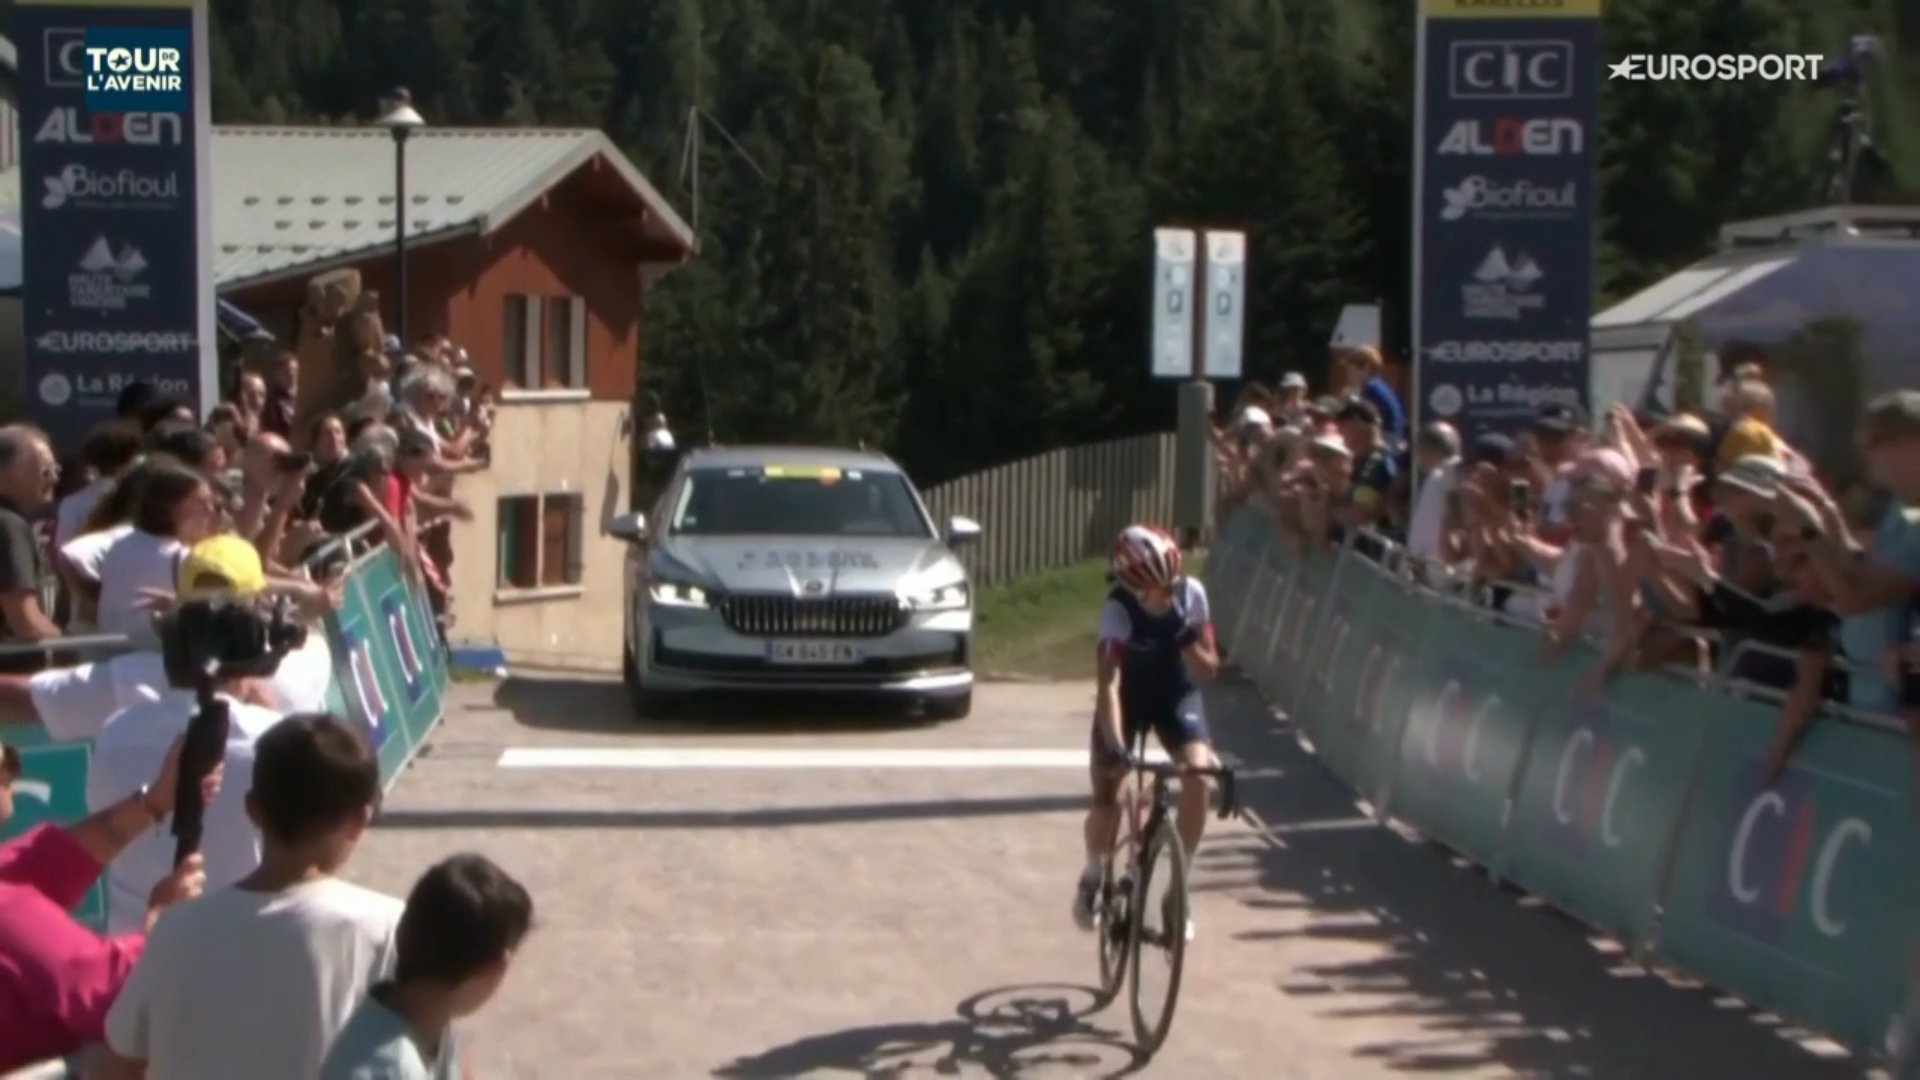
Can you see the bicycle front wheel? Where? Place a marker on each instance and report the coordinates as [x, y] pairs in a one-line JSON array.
[[1157, 941]]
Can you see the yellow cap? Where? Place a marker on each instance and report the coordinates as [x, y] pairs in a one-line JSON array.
[[232, 563]]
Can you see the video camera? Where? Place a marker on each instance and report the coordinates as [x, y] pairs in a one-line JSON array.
[[202, 643]]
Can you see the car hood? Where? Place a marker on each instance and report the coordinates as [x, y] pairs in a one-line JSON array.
[[807, 565]]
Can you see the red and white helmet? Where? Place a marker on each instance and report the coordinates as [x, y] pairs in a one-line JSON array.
[[1145, 556]]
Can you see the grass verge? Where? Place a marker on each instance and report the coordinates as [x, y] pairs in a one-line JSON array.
[[1041, 626]]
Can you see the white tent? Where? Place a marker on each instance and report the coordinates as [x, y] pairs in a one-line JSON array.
[[1826, 295]]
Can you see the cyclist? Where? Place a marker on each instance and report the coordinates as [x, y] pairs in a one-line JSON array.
[[1155, 644]]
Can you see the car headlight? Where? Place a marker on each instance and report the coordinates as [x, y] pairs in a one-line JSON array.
[[945, 598], [678, 594]]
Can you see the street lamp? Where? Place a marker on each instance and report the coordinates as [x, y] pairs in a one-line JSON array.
[[400, 119]]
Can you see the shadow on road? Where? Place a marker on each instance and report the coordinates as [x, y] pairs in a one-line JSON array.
[[1496, 983], [1013, 1031], [552, 702], [768, 818]]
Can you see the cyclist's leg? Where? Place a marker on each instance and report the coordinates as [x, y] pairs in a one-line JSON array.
[[1107, 771], [1183, 733]]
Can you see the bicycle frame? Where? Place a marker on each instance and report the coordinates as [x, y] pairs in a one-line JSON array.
[[1146, 798]]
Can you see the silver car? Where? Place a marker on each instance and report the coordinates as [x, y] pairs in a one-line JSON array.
[[795, 570]]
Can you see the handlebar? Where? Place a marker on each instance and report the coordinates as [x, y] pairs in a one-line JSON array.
[[1162, 771]]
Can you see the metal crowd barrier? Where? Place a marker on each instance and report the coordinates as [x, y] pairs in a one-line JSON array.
[[1646, 810], [390, 678]]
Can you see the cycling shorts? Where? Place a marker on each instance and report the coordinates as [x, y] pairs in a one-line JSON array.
[[1176, 727]]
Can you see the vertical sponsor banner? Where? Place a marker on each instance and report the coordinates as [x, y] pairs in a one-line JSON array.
[[1505, 190], [1174, 254], [115, 220], [1224, 322]]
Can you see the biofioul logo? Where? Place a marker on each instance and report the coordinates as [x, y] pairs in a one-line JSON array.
[[1680, 67], [1478, 195], [79, 184]]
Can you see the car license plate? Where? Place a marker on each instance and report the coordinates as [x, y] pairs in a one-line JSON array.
[[813, 652]]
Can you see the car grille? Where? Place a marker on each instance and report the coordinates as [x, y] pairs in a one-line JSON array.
[[834, 616]]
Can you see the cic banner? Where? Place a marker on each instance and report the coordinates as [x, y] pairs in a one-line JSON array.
[[1507, 122], [115, 122]]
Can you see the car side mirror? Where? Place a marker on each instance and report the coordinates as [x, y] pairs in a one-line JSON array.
[[629, 527], [961, 530]]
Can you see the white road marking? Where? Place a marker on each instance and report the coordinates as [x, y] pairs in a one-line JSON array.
[[657, 757]]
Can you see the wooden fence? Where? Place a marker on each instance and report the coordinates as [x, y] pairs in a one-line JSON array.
[[1058, 507]]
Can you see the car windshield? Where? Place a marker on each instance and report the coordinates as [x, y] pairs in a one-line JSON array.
[[790, 500]]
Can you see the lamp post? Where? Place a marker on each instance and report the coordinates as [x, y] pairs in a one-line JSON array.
[[400, 119]]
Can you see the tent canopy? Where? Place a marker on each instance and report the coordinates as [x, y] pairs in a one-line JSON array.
[[1826, 298]]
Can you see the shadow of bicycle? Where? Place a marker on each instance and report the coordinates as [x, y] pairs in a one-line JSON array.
[[1040, 1029]]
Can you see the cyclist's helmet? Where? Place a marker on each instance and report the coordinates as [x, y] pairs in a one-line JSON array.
[[1146, 556]]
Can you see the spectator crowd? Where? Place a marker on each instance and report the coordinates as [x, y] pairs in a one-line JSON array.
[[1699, 539], [244, 954]]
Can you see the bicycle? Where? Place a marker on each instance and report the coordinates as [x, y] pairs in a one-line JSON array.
[[1152, 851]]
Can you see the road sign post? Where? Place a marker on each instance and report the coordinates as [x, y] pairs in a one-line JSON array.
[[1207, 272]]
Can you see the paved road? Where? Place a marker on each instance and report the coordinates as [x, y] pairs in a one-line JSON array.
[[899, 920]]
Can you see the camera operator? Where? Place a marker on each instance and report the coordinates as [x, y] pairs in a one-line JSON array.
[[57, 978], [216, 647]]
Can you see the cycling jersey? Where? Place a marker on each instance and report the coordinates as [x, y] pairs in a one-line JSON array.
[[1156, 690]]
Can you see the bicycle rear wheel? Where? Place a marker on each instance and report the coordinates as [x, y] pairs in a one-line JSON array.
[[1157, 936]]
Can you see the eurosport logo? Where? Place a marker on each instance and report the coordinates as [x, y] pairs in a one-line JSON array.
[[1510, 70], [1508, 352], [1447, 400], [1782, 856], [1680, 67], [1479, 198], [1456, 722], [69, 126], [108, 280], [106, 342], [1513, 136], [77, 185], [1587, 781], [1503, 287]]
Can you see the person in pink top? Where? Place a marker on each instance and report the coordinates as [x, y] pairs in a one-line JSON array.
[[58, 978]]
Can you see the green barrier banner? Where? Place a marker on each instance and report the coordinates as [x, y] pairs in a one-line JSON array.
[[1466, 731], [1600, 796], [390, 677], [1641, 811], [1799, 894]]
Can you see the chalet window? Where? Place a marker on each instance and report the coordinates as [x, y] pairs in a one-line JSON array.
[[546, 342], [541, 538]]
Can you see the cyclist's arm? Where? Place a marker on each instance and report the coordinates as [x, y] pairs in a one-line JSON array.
[[1114, 630], [1197, 645]]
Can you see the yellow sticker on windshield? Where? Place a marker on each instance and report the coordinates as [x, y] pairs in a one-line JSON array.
[[826, 474]]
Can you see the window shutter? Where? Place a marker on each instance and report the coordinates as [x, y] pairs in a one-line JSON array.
[[577, 346], [576, 541], [530, 377]]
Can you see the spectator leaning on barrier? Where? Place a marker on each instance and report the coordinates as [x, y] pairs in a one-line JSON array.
[[110, 450], [1323, 484], [1430, 530], [72, 703], [1558, 437], [28, 474], [464, 920], [177, 509], [57, 978], [256, 980], [1365, 506]]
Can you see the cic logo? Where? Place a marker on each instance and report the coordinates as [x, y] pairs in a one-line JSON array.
[[1587, 780], [371, 703], [1452, 742], [1377, 673], [1782, 857]]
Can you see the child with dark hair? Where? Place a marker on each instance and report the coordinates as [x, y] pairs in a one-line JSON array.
[[463, 922]]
